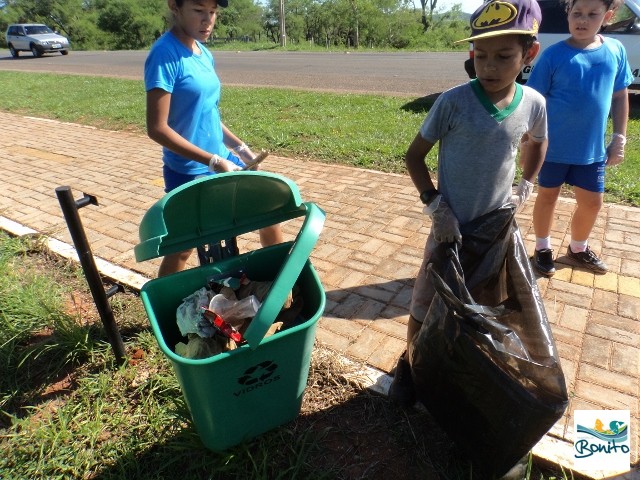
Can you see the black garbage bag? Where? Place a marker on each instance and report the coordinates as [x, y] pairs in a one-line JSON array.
[[484, 362]]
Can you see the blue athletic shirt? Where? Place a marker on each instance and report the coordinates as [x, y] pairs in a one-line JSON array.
[[578, 85], [195, 93]]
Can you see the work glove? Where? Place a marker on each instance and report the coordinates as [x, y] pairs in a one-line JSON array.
[[221, 165], [521, 193], [245, 154], [444, 224], [615, 149]]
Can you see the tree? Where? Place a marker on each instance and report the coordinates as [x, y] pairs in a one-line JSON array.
[[242, 19], [427, 18], [133, 24]]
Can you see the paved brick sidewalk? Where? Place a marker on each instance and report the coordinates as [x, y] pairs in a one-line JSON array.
[[367, 257]]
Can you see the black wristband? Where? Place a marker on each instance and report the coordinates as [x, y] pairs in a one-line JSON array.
[[429, 195]]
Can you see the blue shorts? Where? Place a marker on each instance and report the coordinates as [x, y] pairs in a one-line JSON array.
[[173, 179], [588, 177]]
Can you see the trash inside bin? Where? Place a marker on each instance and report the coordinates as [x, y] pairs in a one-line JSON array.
[[484, 362], [241, 393]]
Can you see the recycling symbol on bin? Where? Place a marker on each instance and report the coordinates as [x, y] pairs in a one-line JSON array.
[[258, 373]]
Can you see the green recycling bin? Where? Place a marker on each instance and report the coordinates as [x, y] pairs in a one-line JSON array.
[[239, 394]]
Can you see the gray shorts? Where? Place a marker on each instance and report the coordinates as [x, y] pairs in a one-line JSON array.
[[423, 290]]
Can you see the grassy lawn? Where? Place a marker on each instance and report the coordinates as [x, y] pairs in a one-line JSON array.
[[367, 131]]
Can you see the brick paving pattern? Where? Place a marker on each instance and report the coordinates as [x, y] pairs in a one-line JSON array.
[[368, 254]]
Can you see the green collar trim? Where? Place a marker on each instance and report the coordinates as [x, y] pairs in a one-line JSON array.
[[488, 105]]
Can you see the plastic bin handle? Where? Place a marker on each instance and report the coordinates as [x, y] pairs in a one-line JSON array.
[[293, 264]]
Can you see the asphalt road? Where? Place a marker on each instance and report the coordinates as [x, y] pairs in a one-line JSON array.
[[411, 74]]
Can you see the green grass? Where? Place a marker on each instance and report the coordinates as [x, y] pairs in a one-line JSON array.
[[31, 309], [367, 131]]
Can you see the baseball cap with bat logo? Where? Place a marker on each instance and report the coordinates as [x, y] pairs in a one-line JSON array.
[[505, 17]]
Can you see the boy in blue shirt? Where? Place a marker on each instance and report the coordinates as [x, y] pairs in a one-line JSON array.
[[582, 78]]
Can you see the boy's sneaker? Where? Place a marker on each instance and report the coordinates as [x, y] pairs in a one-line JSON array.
[[402, 391], [543, 262], [587, 259]]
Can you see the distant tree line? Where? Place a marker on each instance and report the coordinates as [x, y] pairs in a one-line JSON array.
[[135, 24]]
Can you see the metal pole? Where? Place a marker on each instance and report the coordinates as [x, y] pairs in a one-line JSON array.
[[283, 28], [70, 212]]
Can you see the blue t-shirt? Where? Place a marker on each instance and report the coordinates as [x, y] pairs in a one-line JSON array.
[[195, 93], [578, 85]]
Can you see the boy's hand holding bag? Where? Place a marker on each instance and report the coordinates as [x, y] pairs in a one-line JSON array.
[[444, 224], [521, 194]]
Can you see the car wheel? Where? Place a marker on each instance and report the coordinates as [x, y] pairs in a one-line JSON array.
[[13, 51], [64, 52], [35, 51]]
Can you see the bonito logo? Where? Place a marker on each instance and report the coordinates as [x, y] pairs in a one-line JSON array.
[[602, 440], [258, 376]]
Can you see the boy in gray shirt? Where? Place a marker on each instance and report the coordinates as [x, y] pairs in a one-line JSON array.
[[478, 127]]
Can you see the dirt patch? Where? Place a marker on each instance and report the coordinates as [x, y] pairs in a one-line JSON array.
[[362, 435]]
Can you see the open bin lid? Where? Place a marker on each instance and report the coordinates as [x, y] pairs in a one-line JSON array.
[[214, 208], [222, 206]]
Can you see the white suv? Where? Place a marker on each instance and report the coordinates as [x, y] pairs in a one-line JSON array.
[[625, 26], [35, 38]]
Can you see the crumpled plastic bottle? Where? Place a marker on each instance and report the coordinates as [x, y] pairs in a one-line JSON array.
[[234, 312]]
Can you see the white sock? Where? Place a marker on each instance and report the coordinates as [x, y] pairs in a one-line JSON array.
[[543, 243], [577, 247]]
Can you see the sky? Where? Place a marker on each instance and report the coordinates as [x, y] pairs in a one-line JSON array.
[[468, 6]]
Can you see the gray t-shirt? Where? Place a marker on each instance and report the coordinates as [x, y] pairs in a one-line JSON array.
[[478, 145]]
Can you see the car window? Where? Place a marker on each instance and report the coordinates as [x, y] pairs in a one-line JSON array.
[[554, 18], [624, 21], [38, 30]]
